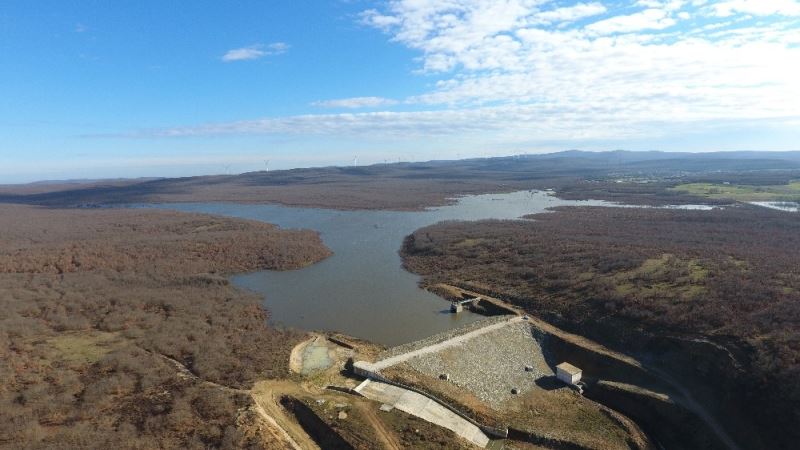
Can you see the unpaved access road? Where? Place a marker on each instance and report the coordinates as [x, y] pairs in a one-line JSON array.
[[387, 437], [265, 396]]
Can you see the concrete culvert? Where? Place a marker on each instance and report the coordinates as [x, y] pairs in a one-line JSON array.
[[514, 391]]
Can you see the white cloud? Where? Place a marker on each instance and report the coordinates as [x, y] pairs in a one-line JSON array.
[[243, 54], [471, 129], [374, 18], [571, 13], [667, 5], [528, 70], [543, 121], [623, 61], [757, 7], [456, 32], [255, 51], [356, 102], [649, 19]]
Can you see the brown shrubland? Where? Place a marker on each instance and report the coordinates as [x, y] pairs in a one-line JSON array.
[[656, 282], [94, 302]]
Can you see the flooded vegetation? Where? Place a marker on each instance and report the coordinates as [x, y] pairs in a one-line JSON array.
[[780, 206]]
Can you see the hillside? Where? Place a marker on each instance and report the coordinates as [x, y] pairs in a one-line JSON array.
[[709, 296], [413, 186], [98, 306]]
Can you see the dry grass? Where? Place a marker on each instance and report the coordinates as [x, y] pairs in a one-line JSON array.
[[558, 414], [79, 349], [565, 415]]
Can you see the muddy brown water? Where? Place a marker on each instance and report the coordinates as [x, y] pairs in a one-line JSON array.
[[363, 290]]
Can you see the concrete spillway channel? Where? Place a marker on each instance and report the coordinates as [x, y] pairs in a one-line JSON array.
[[419, 404], [423, 407]]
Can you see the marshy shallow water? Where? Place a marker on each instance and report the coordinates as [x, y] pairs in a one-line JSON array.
[[363, 290], [780, 206]]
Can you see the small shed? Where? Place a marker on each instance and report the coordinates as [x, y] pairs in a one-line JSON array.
[[568, 373]]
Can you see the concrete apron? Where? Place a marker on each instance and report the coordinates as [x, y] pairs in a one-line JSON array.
[[423, 407]]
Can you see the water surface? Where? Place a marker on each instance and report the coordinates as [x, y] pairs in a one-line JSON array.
[[362, 290], [781, 206]]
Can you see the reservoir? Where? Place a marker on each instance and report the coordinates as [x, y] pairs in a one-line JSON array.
[[363, 290], [780, 206]]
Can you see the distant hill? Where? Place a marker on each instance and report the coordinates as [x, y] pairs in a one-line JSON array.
[[419, 184]]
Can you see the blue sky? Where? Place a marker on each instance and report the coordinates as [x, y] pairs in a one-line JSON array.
[[163, 88]]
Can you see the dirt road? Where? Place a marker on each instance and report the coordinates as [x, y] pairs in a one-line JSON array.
[[267, 394], [387, 438]]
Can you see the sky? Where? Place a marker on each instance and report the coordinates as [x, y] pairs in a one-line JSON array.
[[130, 88]]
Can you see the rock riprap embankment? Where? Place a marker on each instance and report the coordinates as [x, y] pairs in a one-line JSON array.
[[490, 365]]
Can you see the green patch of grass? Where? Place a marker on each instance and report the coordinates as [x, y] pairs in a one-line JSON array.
[[565, 415], [657, 277], [697, 272], [739, 263], [741, 192], [466, 243], [624, 288], [585, 276], [653, 265], [82, 348], [650, 270], [694, 291]]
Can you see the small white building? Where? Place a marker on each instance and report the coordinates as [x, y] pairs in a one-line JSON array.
[[568, 373]]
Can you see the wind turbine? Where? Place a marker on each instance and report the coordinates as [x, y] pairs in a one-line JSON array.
[[266, 164], [355, 161], [227, 169]]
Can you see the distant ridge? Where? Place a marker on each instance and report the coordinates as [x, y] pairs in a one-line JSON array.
[[86, 181], [652, 155], [414, 185]]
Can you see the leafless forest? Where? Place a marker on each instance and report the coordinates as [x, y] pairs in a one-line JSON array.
[[413, 186], [97, 308], [101, 309], [656, 282]]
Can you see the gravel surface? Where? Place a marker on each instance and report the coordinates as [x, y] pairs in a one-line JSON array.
[[490, 365]]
